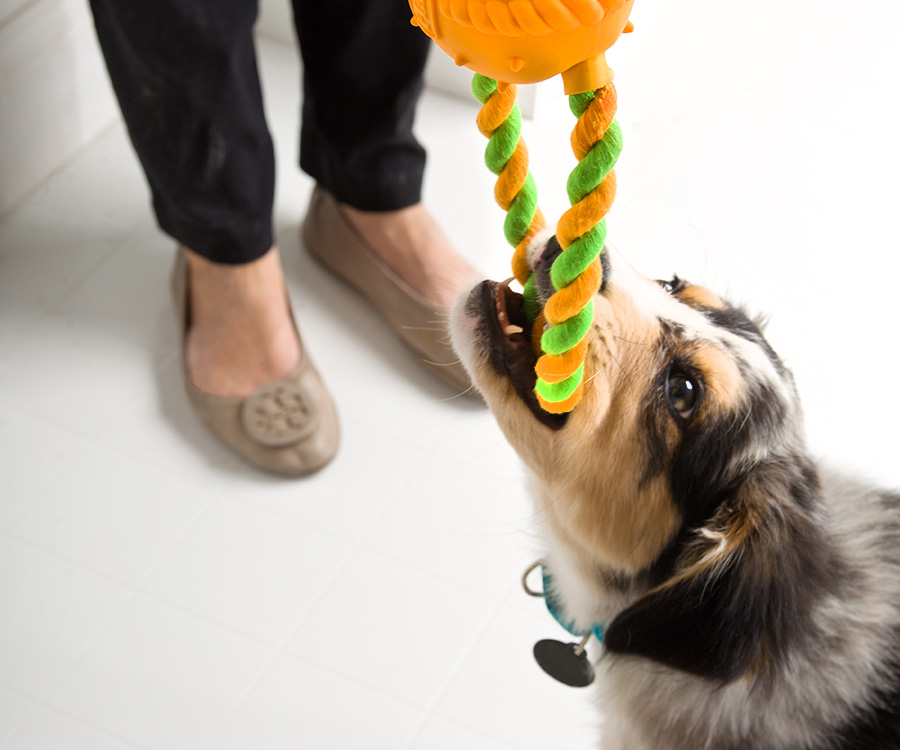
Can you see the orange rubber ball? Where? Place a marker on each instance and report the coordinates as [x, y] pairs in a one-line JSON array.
[[526, 41]]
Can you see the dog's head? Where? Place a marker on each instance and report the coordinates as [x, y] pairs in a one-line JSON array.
[[683, 466]]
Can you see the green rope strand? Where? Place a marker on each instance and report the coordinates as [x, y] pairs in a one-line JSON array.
[[523, 207]]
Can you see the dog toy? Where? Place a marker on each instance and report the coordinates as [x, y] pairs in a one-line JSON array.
[[507, 42]]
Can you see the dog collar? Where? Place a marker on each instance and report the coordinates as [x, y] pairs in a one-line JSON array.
[[566, 662]]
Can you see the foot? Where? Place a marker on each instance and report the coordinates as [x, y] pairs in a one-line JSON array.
[[415, 247], [241, 334]]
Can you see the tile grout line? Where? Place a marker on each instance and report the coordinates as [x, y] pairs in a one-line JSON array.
[[65, 163], [139, 590], [32, 710], [430, 711], [15, 518], [134, 591], [117, 246], [500, 604], [281, 648], [233, 492], [80, 721]]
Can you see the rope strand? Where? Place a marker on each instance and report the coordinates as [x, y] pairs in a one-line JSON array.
[[515, 191], [577, 273]]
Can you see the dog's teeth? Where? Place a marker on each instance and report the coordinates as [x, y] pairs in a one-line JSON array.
[[510, 330]]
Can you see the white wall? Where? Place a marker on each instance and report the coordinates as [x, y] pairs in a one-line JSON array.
[[54, 91]]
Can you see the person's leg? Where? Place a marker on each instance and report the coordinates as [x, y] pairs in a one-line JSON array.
[[185, 75], [363, 64], [362, 76]]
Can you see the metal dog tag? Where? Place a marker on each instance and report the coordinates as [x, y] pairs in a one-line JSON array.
[[566, 662]]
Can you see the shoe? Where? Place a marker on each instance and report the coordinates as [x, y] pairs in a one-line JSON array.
[[421, 325], [287, 427]]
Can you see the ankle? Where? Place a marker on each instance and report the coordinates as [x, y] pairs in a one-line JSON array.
[[242, 332], [248, 285]]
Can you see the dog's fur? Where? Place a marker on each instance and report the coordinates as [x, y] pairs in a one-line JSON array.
[[751, 596]]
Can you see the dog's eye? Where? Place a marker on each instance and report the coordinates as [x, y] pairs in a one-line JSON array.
[[674, 286], [682, 393]]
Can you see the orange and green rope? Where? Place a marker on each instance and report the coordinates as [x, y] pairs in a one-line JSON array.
[[577, 272], [515, 191]]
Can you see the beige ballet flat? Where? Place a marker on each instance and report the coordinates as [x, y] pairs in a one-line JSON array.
[[287, 427], [420, 324]]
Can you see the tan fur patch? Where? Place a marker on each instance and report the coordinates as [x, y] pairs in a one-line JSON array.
[[722, 377], [700, 296]]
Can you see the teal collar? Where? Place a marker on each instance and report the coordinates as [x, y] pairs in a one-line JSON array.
[[566, 662], [598, 629]]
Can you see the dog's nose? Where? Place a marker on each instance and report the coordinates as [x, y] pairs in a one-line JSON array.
[[541, 266]]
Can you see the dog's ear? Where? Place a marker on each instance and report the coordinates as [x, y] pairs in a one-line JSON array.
[[741, 591]]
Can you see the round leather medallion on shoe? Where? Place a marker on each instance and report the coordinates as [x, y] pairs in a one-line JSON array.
[[276, 415]]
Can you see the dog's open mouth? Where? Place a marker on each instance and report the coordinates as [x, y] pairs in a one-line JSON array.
[[507, 333]]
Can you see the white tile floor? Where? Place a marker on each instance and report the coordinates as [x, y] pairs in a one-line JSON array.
[[158, 594]]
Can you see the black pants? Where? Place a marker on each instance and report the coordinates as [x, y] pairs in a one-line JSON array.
[[185, 75]]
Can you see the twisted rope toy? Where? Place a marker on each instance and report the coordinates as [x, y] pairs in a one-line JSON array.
[[577, 272], [526, 41]]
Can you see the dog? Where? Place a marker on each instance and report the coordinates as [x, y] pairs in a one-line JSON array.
[[750, 596]]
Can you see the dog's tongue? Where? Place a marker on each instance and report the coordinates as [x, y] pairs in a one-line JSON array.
[[509, 329]]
